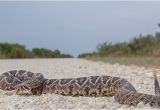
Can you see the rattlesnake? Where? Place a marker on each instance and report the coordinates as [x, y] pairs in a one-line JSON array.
[[120, 88]]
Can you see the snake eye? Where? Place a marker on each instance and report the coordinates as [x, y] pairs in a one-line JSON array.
[[152, 104]]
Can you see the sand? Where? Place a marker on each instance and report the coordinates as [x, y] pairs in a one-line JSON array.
[[140, 77]]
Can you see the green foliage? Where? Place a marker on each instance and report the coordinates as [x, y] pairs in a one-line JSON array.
[[13, 51], [42, 53], [19, 51], [148, 45], [87, 55], [66, 56]]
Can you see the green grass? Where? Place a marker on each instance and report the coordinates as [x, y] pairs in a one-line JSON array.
[[138, 61]]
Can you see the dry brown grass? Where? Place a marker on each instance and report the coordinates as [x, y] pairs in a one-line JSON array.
[[138, 61]]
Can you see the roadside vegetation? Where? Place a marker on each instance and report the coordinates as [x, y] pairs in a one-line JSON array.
[[138, 61], [141, 50], [8, 50]]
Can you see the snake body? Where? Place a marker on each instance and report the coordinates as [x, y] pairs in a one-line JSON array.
[[120, 88]]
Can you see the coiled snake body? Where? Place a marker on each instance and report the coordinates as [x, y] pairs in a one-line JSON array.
[[121, 89]]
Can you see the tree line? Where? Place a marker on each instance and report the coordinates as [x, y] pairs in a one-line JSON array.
[[142, 45], [9, 50]]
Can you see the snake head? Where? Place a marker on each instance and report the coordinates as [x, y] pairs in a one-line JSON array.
[[32, 84], [21, 87]]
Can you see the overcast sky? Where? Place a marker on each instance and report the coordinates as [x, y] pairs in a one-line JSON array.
[[76, 27]]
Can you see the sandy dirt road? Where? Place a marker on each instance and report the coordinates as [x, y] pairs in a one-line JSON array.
[[140, 77]]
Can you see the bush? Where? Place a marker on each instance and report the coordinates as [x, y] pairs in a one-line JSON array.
[[148, 45], [19, 51]]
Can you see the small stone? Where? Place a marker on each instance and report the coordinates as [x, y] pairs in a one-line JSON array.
[[149, 74], [145, 81], [140, 105]]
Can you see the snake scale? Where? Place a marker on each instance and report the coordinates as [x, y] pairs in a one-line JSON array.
[[37, 84]]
